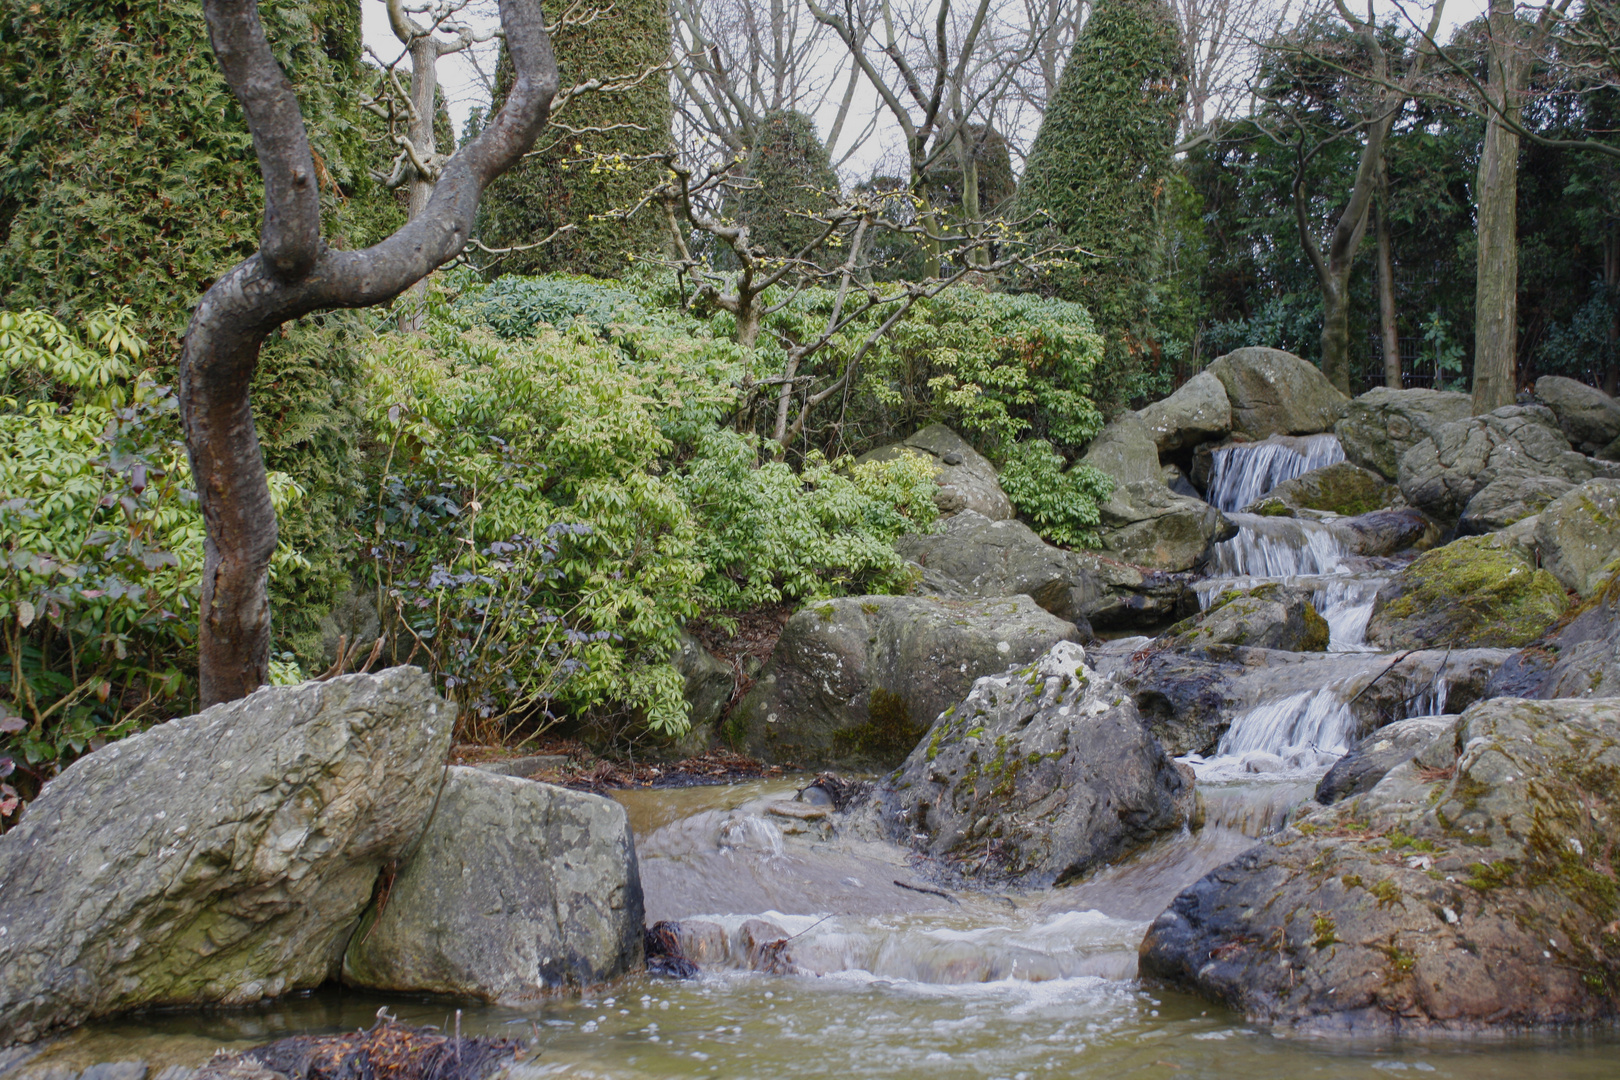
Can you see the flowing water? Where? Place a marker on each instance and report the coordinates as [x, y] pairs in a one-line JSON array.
[[878, 979]]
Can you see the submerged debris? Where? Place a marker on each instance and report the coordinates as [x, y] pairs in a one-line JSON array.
[[665, 956], [389, 1051]]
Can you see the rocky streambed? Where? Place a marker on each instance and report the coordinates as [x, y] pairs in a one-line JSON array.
[[1343, 761]]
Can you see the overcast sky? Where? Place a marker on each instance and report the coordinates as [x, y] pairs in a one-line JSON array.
[[464, 89]]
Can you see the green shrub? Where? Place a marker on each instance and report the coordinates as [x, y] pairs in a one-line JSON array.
[[1061, 505], [792, 179], [549, 511], [768, 532], [101, 542], [516, 306]]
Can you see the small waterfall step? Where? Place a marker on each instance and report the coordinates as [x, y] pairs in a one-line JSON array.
[[1245, 472]]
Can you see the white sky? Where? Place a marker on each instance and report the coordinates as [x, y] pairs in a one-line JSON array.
[[464, 89]]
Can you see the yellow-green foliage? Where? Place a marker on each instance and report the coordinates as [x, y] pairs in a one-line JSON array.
[[554, 506], [575, 176], [101, 542]]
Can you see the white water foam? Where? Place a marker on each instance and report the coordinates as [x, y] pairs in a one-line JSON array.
[[1347, 604], [1247, 471], [1301, 733], [1277, 548]]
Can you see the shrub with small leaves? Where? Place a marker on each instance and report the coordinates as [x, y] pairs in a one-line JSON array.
[[1061, 504]]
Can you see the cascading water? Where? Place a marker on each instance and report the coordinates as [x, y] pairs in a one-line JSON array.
[[1245, 472], [1276, 547]]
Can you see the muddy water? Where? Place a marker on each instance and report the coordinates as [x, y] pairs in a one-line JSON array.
[[888, 982]]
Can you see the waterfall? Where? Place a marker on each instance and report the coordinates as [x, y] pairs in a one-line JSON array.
[[1347, 603], [1431, 702], [1245, 472], [1267, 547], [1318, 720]]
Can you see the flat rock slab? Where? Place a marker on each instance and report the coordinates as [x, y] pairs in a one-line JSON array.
[[519, 889], [219, 859]]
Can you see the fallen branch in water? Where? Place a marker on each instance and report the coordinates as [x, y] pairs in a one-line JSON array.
[[941, 893]]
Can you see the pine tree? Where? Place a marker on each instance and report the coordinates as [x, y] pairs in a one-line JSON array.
[[792, 178]]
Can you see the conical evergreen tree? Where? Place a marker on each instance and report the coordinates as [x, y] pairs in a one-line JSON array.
[[793, 177], [1100, 164]]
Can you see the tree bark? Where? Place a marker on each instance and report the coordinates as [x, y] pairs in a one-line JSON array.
[[1496, 296], [293, 274], [1389, 331]]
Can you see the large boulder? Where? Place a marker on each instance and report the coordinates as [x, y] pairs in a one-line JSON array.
[[219, 859], [1383, 424], [1578, 535], [518, 889], [1196, 413], [858, 680], [1441, 474], [1126, 451], [1582, 659], [967, 481], [1469, 594], [1589, 418], [1470, 888], [1340, 488], [1148, 525], [974, 557], [1508, 500], [706, 681], [1270, 616], [1276, 393], [1385, 532], [1039, 775]]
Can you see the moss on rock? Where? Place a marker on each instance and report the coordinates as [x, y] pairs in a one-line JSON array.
[[1468, 593]]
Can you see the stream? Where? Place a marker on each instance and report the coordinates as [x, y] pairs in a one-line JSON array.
[[888, 981]]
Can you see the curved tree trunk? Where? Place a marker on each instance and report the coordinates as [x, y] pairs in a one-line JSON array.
[[295, 273]]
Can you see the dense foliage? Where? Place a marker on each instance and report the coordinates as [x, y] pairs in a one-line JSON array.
[[1098, 170], [587, 162]]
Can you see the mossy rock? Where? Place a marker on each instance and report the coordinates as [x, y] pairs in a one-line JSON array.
[[1340, 488], [1271, 616], [1470, 593]]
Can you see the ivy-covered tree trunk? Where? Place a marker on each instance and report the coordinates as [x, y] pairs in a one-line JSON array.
[[1496, 296], [294, 273]]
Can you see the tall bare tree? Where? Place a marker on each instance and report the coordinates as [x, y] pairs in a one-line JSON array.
[[294, 273]]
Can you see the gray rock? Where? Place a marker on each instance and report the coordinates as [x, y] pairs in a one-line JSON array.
[[1507, 500], [518, 889], [969, 484], [1384, 532], [858, 680], [1147, 525], [981, 558], [1581, 660], [1383, 424], [1441, 474], [1276, 393], [1382, 750], [1039, 775], [1471, 593], [1589, 418], [1198, 412], [1578, 535], [1269, 616], [973, 557], [708, 682], [222, 858], [524, 766], [1454, 895], [1125, 450]]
